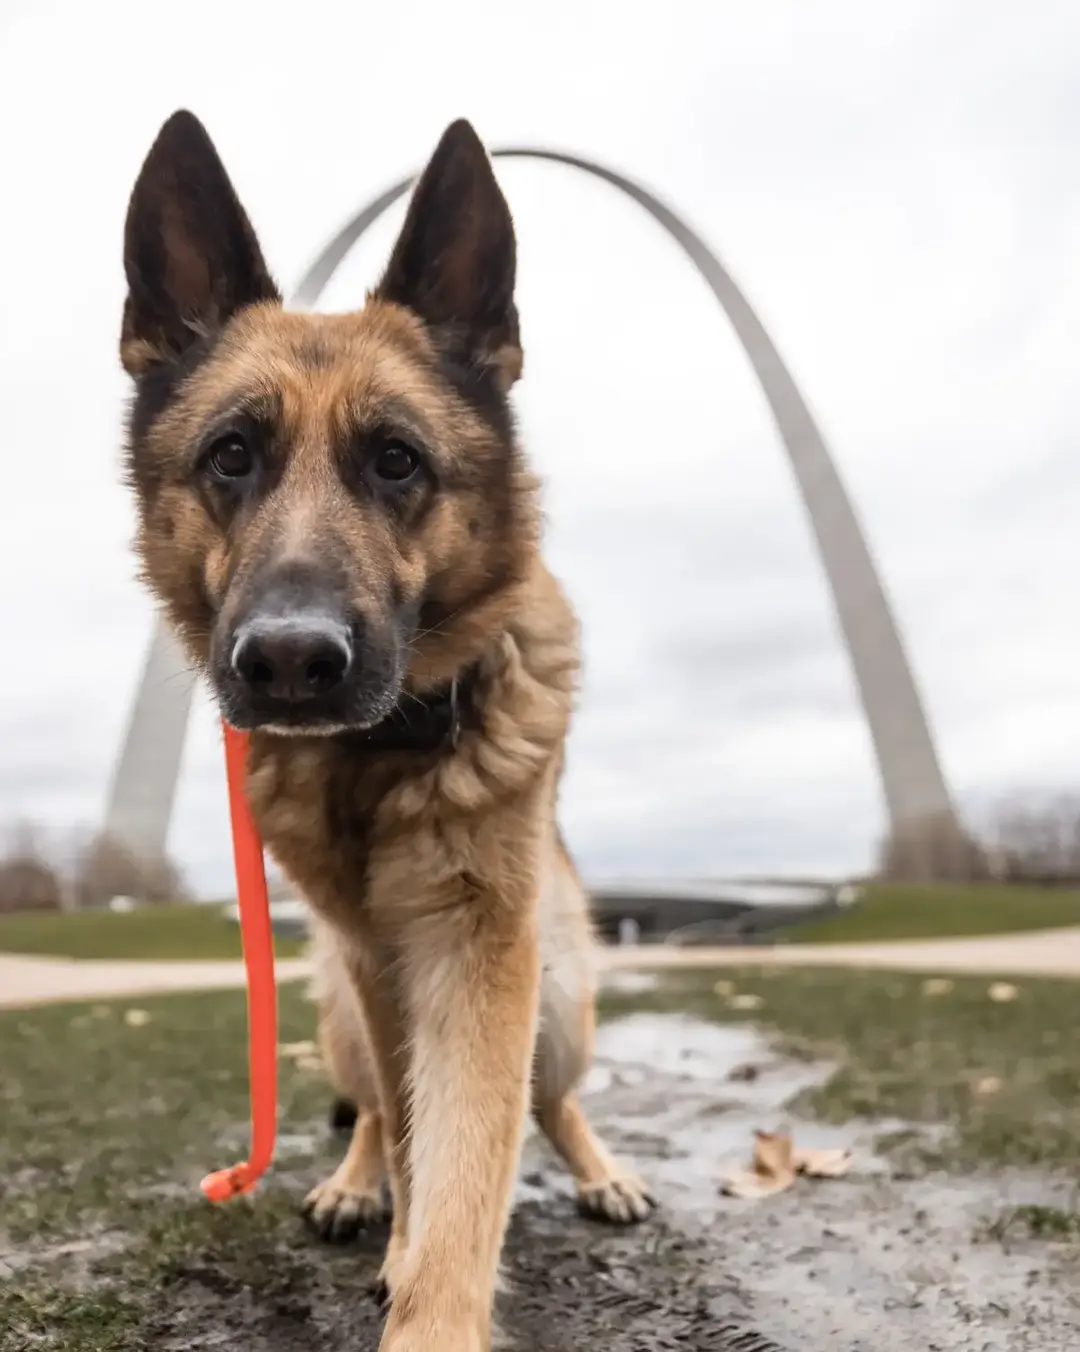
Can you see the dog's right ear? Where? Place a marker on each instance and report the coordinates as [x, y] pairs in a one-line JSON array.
[[454, 262], [190, 254]]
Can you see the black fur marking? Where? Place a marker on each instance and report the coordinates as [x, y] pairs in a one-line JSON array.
[[154, 392]]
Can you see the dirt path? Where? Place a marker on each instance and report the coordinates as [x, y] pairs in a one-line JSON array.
[[1037, 953], [44, 981], [28, 981]]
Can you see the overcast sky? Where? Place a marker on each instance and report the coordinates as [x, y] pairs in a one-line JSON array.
[[896, 187]]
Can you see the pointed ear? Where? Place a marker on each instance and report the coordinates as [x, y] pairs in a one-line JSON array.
[[454, 262], [190, 254]]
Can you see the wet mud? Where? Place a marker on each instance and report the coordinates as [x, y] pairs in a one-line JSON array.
[[869, 1263]]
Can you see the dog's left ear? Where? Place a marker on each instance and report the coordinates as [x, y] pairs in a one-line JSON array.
[[454, 262], [190, 255]]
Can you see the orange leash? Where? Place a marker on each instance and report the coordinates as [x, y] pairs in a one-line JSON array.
[[258, 941]]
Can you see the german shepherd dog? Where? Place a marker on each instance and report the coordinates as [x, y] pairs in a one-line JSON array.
[[337, 517]]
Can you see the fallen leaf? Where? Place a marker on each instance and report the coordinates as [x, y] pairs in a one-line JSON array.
[[1002, 992], [776, 1164], [988, 1085], [745, 1002], [136, 1018], [297, 1049], [771, 1170], [724, 989], [823, 1163], [937, 985]]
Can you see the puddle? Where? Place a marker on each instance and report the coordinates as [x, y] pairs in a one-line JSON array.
[[678, 1097], [860, 1264]]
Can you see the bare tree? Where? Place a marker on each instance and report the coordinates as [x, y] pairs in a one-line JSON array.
[[105, 868], [28, 881], [1036, 837]]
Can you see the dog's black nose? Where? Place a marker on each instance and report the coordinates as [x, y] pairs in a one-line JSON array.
[[294, 659]]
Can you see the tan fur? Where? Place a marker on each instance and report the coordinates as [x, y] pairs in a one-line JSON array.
[[452, 940], [472, 977]]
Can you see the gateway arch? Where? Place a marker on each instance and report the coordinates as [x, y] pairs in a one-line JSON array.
[[145, 779]]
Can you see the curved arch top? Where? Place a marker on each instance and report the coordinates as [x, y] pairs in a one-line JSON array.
[[911, 776], [910, 772]]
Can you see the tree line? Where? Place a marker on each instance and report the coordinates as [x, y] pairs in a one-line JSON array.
[[40, 872], [1031, 838]]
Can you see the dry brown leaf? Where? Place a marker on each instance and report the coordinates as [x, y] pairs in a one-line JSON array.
[[137, 1018], [745, 1002], [297, 1049], [823, 1163], [937, 985], [1002, 992], [988, 1086], [776, 1164], [771, 1169]]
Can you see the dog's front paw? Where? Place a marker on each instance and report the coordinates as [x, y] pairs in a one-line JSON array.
[[621, 1200], [339, 1213]]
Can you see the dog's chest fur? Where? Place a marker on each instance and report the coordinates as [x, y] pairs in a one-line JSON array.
[[374, 840]]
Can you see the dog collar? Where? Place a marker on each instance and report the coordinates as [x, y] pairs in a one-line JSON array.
[[418, 722]]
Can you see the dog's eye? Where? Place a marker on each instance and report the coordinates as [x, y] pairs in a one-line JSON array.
[[231, 457], [396, 462]]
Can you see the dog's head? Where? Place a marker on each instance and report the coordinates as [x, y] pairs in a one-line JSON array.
[[332, 508]]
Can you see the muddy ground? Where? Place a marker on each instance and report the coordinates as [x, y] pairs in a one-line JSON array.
[[893, 1257]]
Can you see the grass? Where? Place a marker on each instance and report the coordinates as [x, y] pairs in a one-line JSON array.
[[106, 1127], [177, 932], [884, 912], [1034, 1222], [936, 911], [105, 1131], [187, 932]]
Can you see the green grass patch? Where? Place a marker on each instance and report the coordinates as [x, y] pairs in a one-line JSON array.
[[176, 932], [191, 932], [935, 911], [106, 1129], [1034, 1222]]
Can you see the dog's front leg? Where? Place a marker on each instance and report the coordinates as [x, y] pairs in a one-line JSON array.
[[473, 995], [386, 1017]]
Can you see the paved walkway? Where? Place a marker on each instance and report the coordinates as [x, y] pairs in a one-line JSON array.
[[43, 981], [1039, 953], [34, 981]]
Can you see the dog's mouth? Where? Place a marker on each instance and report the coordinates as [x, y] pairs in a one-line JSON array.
[[306, 675], [315, 718]]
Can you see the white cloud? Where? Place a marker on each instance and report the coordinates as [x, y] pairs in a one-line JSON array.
[[893, 188]]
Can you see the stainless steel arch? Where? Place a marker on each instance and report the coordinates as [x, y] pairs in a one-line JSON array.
[[911, 777]]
